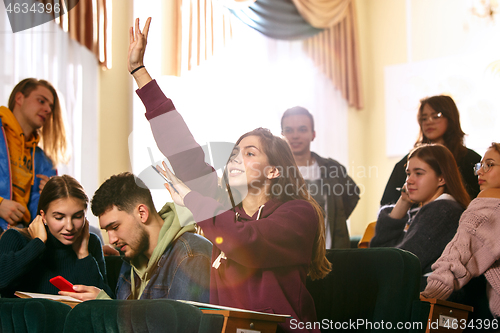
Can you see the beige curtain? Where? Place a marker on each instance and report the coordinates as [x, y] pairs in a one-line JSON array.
[[336, 49], [203, 28], [322, 13], [236, 4], [86, 23]]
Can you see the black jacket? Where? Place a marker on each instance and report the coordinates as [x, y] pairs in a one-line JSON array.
[[398, 178], [341, 199]]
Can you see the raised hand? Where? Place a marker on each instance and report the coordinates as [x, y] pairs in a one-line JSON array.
[[37, 229], [137, 46], [178, 190], [11, 211], [81, 245]]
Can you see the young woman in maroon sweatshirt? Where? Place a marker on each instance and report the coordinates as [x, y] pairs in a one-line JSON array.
[[267, 232]]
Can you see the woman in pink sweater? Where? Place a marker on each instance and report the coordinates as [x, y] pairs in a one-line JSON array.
[[475, 249]]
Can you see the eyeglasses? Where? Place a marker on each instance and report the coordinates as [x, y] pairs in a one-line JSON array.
[[486, 167], [434, 117]]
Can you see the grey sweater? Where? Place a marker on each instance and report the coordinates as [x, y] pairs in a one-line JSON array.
[[431, 229]]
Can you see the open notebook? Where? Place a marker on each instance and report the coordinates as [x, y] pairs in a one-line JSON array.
[[64, 299], [220, 307]]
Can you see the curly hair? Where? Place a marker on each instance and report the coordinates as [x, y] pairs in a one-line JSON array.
[[125, 191]]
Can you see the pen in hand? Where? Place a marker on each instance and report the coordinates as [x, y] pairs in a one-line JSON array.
[[166, 179], [160, 173]]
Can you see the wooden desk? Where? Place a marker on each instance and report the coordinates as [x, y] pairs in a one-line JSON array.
[[443, 313], [244, 322]]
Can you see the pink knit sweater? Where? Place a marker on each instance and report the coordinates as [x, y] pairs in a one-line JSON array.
[[474, 250]]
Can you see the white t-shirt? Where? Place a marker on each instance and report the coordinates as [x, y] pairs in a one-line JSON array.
[[312, 176]]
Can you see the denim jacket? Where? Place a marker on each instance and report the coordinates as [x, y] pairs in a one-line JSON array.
[[183, 272]]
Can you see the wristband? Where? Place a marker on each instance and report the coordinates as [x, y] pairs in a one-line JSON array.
[[135, 70]]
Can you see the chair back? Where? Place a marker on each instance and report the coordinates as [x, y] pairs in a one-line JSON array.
[[158, 315], [113, 267], [368, 286], [367, 236], [32, 315]]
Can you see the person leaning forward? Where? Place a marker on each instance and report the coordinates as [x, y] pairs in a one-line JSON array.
[[162, 259]]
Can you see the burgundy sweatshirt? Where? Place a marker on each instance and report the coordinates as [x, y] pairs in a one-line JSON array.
[[268, 254]]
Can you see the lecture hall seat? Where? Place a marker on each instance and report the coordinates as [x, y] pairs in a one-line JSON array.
[[370, 286], [32, 315], [153, 316]]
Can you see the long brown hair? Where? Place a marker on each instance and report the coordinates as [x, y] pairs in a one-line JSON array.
[[61, 187], [58, 187], [454, 136], [52, 134], [280, 156], [440, 159]]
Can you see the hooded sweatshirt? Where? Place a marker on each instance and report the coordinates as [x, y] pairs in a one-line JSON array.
[[179, 267], [169, 232], [260, 261], [21, 156]]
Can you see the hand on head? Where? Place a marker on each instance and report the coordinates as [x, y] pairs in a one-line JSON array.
[[37, 229], [81, 245], [11, 211], [405, 196], [137, 46], [402, 205]]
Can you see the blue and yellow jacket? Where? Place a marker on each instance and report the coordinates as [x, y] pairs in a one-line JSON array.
[[41, 165]]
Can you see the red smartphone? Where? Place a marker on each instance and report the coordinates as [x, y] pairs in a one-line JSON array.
[[62, 284]]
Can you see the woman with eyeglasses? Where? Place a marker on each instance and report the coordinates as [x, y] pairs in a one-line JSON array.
[[433, 183], [439, 122], [475, 248]]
